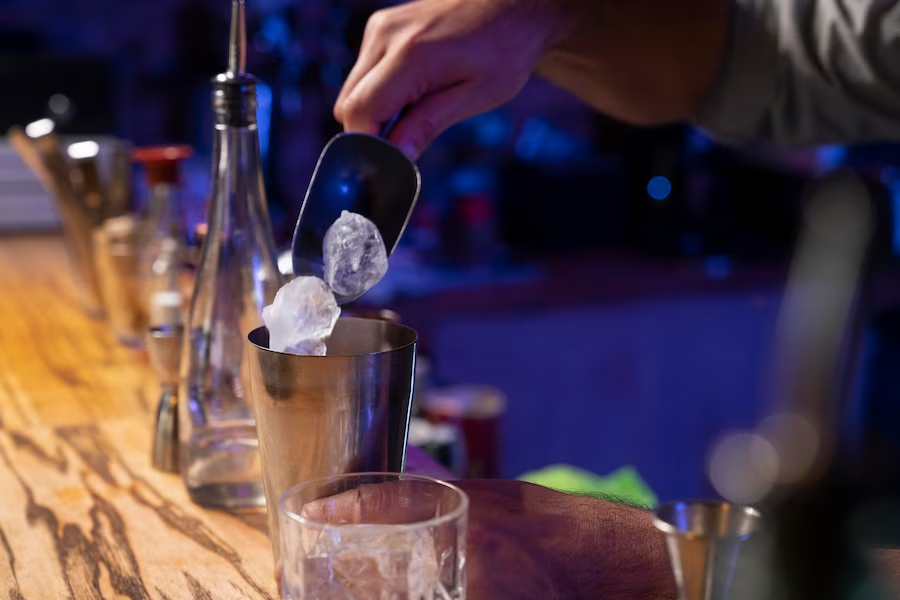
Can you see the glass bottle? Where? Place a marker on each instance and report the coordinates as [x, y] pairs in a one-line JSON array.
[[236, 277], [162, 243]]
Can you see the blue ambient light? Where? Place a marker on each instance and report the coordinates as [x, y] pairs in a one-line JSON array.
[[659, 188]]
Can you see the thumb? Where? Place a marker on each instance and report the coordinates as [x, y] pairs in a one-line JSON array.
[[422, 122]]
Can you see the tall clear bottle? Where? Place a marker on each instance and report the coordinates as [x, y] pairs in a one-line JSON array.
[[237, 276], [161, 244]]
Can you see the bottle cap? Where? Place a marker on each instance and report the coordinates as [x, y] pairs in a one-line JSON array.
[[161, 162]]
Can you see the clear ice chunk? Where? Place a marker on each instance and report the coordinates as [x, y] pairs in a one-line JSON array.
[[302, 317], [343, 563], [354, 255]]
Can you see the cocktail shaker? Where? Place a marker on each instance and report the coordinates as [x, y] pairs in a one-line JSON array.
[[346, 412]]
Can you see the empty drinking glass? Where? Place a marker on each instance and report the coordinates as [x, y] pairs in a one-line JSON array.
[[379, 536]]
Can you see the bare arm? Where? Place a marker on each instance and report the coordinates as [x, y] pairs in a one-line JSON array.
[[526, 541], [642, 61]]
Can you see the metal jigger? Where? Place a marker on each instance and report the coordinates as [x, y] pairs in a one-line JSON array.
[[704, 538], [164, 349]]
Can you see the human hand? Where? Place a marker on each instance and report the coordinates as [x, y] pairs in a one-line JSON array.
[[443, 61], [645, 63]]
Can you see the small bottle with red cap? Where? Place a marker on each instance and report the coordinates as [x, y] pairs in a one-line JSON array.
[[161, 250]]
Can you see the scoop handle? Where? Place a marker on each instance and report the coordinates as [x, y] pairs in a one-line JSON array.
[[389, 124]]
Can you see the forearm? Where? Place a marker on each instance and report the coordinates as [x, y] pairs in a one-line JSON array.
[[528, 541], [629, 557], [643, 61]]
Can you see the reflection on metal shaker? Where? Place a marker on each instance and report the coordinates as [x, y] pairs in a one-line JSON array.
[[346, 412]]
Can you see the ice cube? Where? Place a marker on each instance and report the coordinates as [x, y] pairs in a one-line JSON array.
[[354, 254], [301, 317], [358, 563]]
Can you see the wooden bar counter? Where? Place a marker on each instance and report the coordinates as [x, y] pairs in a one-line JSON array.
[[83, 515]]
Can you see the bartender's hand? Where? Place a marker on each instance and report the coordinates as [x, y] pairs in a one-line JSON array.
[[446, 60], [642, 61], [526, 541]]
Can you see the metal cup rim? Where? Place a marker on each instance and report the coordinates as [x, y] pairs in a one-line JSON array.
[[413, 341], [669, 529]]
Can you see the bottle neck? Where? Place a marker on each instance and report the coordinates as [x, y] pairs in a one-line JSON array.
[[163, 207], [238, 203]]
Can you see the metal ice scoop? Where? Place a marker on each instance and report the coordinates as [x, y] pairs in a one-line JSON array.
[[363, 174]]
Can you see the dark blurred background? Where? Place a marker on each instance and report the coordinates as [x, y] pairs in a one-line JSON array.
[[618, 285]]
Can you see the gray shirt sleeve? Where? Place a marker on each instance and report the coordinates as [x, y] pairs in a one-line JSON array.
[[809, 72]]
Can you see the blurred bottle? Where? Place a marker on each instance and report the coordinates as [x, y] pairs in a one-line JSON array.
[[115, 260], [423, 235], [476, 411], [236, 277], [162, 245], [443, 442], [468, 230], [477, 215]]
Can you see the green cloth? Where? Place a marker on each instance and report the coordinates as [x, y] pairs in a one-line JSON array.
[[624, 484]]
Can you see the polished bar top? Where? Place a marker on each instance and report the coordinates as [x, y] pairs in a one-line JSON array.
[[83, 514]]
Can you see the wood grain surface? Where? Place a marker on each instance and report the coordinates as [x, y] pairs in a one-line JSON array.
[[83, 515]]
